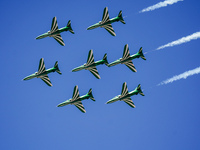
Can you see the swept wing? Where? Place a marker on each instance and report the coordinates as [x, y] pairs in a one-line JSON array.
[[105, 19], [126, 55], [41, 69], [93, 69], [124, 89], [130, 65], [80, 106], [54, 28], [128, 101], [46, 79], [75, 93], [124, 93]]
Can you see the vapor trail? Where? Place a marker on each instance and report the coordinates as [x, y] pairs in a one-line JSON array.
[[188, 38], [159, 5], [181, 76]]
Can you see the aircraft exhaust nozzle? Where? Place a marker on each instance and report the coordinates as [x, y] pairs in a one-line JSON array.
[[121, 18], [139, 90], [141, 54], [105, 59], [69, 26], [56, 67], [90, 94]]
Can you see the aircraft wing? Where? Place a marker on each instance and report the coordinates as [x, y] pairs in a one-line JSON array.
[[59, 39], [41, 67], [90, 59], [124, 89], [54, 25], [75, 93], [46, 80], [110, 29], [80, 106], [105, 17], [126, 53], [129, 102], [130, 65], [94, 71]]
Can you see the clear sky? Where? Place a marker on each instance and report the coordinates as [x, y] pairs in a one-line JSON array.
[[167, 117]]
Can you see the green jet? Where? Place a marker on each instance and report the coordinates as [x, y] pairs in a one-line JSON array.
[[106, 22], [127, 58], [91, 65], [126, 96], [76, 99], [42, 73], [55, 32]]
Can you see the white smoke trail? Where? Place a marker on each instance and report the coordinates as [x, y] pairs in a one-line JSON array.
[[181, 76], [188, 38], [159, 5]]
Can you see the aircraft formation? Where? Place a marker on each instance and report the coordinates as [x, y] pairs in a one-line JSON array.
[[90, 65]]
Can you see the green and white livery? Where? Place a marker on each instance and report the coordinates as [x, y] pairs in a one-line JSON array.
[[76, 99], [42, 72], [91, 65], [127, 58], [126, 96], [106, 22], [55, 32]]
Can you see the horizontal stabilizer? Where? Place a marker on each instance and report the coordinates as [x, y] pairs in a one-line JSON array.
[[56, 67], [121, 18], [105, 59], [141, 54], [139, 90], [90, 94], [69, 26]]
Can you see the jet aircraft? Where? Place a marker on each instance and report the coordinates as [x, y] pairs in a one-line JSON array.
[[76, 99], [91, 65], [126, 96], [127, 59], [106, 22], [55, 32], [42, 73]]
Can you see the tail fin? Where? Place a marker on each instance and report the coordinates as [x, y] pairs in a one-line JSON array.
[[56, 67], [90, 94], [141, 54], [139, 90], [69, 26], [121, 18], [105, 59]]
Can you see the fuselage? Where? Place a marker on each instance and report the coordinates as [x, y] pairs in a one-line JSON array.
[[122, 61], [39, 75], [120, 97], [87, 67], [101, 23], [50, 34], [72, 101]]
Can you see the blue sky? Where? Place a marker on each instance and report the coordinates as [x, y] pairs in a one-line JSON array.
[[167, 117]]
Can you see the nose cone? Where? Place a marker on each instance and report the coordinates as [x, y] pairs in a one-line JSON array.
[[30, 77], [42, 36], [93, 26], [90, 27], [113, 100], [78, 68], [67, 102]]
